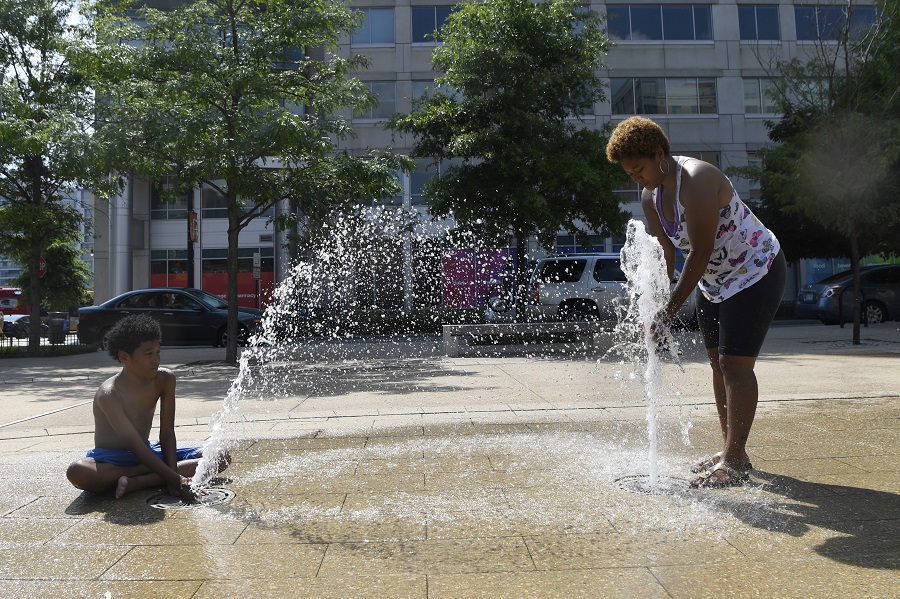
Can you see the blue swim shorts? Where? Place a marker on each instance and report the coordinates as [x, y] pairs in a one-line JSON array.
[[124, 458]]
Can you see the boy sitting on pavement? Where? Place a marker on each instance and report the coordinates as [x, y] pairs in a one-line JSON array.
[[123, 457]]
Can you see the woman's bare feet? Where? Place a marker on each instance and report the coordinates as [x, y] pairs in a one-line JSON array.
[[711, 462]]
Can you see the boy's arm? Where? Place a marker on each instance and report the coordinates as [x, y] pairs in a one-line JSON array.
[[168, 443], [111, 405], [167, 440]]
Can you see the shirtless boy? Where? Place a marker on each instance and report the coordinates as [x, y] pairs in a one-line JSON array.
[[123, 457]]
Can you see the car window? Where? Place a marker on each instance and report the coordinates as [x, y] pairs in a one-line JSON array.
[[836, 277], [138, 300], [562, 271], [212, 301], [608, 269], [181, 301], [884, 276]]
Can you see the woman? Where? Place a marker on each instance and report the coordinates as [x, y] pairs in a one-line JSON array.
[[734, 260]]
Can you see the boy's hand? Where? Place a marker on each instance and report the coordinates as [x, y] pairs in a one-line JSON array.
[[183, 489]]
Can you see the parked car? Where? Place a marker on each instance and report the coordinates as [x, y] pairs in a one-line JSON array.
[[584, 286], [16, 326], [831, 300], [187, 316]]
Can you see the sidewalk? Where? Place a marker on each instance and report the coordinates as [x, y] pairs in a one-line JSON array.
[[389, 470]]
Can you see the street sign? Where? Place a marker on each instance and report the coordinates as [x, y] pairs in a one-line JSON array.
[[42, 267], [257, 260], [256, 272]]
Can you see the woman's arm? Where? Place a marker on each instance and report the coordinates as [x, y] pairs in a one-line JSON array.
[[656, 229]]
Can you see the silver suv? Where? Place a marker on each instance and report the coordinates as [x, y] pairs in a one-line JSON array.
[[583, 286]]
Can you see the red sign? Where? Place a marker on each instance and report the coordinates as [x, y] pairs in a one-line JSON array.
[[42, 267]]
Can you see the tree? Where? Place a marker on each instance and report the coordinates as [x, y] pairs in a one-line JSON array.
[[65, 283], [242, 96], [45, 118], [503, 118], [836, 164]]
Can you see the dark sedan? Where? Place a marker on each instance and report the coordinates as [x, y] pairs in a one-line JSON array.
[[831, 300], [187, 316], [16, 326]]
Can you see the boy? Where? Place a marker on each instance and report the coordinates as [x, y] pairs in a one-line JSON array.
[[123, 457]]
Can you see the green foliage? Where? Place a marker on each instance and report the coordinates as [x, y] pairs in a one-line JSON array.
[[65, 283], [218, 91], [46, 113], [515, 73], [243, 96]]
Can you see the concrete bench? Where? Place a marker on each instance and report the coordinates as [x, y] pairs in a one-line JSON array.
[[457, 335]]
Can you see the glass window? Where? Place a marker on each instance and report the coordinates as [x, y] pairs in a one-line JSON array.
[[641, 22], [678, 22], [830, 22], [163, 206], [805, 19], [702, 23], [621, 93], [650, 96], [862, 19], [681, 96], [759, 22], [706, 92], [646, 23], [213, 203], [387, 100], [426, 20], [753, 184], [562, 271], [608, 270], [419, 177], [757, 96], [663, 96], [377, 27], [618, 22]]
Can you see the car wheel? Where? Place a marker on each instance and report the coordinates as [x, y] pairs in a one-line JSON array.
[[874, 312], [222, 337]]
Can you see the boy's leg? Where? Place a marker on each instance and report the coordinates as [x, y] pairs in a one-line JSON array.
[[89, 475]]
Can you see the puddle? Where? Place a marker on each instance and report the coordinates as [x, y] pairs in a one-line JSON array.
[[213, 496], [640, 483]]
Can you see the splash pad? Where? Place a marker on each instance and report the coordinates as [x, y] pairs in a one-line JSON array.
[[272, 368]]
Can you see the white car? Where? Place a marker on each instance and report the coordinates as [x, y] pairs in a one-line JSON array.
[[584, 286]]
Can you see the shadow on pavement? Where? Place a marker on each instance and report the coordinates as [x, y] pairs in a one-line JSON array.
[[866, 520]]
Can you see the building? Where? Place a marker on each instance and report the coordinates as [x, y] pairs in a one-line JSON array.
[[698, 69]]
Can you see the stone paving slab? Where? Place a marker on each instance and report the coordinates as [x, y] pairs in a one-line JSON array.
[[476, 490]]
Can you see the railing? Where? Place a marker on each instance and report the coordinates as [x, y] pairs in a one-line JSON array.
[[15, 342]]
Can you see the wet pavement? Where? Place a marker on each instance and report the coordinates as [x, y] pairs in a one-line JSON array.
[[384, 469]]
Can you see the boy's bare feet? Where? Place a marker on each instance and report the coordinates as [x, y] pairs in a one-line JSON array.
[[121, 487]]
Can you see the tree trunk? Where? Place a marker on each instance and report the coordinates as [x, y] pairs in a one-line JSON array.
[[34, 164], [234, 230], [857, 291]]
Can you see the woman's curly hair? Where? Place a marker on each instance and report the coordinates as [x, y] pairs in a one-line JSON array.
[[130, 332], [636, 136]]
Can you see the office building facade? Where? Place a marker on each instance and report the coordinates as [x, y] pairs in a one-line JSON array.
[[699, 69]]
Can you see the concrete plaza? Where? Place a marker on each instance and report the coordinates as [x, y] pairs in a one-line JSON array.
[[385, 469]]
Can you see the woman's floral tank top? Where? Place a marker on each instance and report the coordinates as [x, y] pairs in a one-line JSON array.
[[743, 250]]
